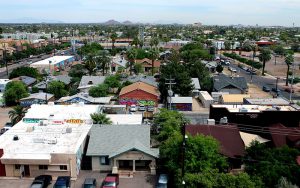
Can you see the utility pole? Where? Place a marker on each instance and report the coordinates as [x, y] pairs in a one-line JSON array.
[[5, 61], [292, 82], [254, 53], [170, 82]]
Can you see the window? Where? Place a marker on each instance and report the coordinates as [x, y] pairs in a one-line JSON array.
[[63, 167], [17, 166], [43, 167], [104, 160]]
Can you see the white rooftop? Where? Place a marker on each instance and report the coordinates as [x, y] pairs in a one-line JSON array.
[[54, 60], [39, 142], [254, 108], [126, 119], [205, 95], [177, 100]]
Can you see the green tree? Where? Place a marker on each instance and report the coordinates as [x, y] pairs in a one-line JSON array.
[[24, 71], [270, 164], [14, 91], [99, 90], [219, 68], [100, 118], [77, 71], [113, 37], [283, 183], [34, 89], [198, 70], [264, 56], [153, 55], [131, 56], [113, 83], [227, 45], [138, 68], [154, 42], [279, 50], [16, 114], [289, 59], [90, 64], [102, 60], [181, 77], [57, 88]]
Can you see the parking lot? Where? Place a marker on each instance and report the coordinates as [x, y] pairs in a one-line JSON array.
[[140, 180]]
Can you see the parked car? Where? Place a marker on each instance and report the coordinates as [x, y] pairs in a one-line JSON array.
[[142, 108], [89, 183], [276, 90], [41, 181], [111, 181], [162, 181], [63, 182], [288, 89], [150, 108], [133, 108], [253, 72], [266, 89], [232, 69]]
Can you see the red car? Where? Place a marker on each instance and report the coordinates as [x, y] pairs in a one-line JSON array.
[[111, 181]]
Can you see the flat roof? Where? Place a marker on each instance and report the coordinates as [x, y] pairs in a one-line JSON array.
[[253, 108], [177, 100], [267, 101], [54, 60], [39, 142], [128, 119], [234, 98]]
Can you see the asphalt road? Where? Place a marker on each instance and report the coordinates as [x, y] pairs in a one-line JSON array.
[[261, 81], [26, 62]]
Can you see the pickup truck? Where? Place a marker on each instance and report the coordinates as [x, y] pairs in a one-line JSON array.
[[111, 181], [63, 182]]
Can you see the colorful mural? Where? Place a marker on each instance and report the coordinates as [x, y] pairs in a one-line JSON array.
[[182, 107], [130, 102]]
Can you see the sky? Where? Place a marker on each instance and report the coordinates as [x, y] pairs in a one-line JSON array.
[[220, 12]]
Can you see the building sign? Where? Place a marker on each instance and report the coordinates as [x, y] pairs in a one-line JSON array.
[[130, 102], [31, 120], [74, 121]]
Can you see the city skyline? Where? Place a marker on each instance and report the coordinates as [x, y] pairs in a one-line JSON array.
[[219, 12]]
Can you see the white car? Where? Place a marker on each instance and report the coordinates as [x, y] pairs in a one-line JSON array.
[[133, 108]]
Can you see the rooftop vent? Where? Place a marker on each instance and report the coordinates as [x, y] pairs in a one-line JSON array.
[[15, 138], [51, 141], [90, 82], [69, 130], [51, 103]]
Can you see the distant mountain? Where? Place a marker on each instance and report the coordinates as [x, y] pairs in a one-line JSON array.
[[112, 22], [127, 22], [29, 20]]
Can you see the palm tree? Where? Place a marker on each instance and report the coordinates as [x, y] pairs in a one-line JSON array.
[[99, 118], [264, 56], [153, 55], [131, 55], [113, 39], [154, 42], [289, 59], [90, 64], [102, 60], [241, 41], [16, 114]]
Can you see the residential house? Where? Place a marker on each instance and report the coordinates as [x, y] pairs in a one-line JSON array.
[[119, 148], [139, 93], [284, 136], [62, 78], [37, 98], [210, 65], [143, 78], [89, 81], [231, 143], [27, 80], [147, 64], [232, 85], [3, 83], [85, 98], [118, 62]]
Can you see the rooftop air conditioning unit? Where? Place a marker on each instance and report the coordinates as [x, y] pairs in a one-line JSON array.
[[224, 120], [211, 122], [51, 141], [50, 103], [38, 140], [43, 123], [243, 110]]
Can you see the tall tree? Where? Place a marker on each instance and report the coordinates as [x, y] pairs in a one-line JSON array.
[[289, 59], [57, 88], [100, 90], [113, 37], [90, 64], [131, 56], [14, 91], [100, 118], [153, 55], [102, 60], [16, 114], [264, 56], [241, 39], [154, 42]]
